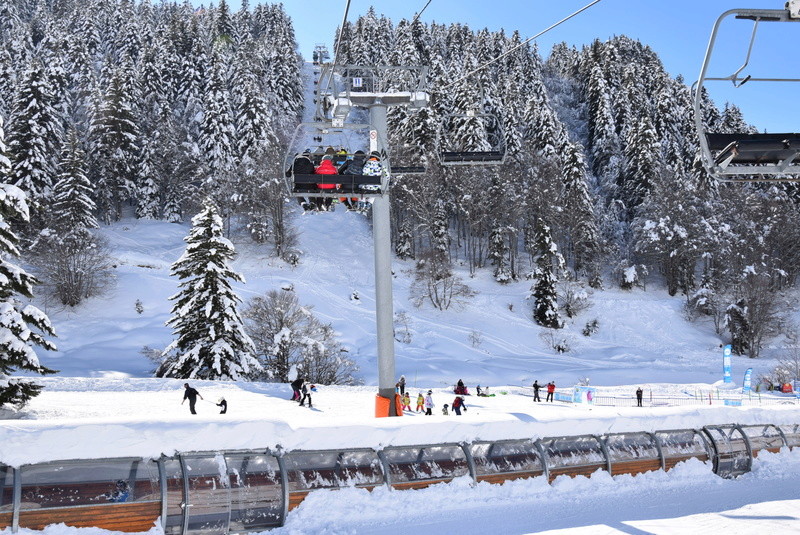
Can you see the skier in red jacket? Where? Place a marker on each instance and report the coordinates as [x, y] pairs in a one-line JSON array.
[[551, 388], [326, 167]]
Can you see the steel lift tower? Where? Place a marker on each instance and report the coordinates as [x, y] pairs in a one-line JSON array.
[[374, 88]]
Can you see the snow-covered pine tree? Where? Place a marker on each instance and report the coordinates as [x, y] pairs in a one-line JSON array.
[[21, 326], [72, 195], [73, 262], [217, 135], [643, 164], [578, 215], [115, 143], [210, 342], [548, 263], [404, 245], [498, 251], [34, 136]]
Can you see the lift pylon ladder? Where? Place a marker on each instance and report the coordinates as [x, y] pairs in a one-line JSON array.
[[748, 156]]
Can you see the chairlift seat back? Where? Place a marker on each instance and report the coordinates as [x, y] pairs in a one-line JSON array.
[[754, 148]]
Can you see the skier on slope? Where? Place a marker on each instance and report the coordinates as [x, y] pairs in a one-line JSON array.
[[551, 390], [296, 385], [306, 394], [420, 403], [191, 394], [429, 404], [458, 404], [536, 387], [406, 398]]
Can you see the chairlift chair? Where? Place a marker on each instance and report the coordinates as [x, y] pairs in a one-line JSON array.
[[405, 161], [307, 185], [452, 152], [749, 156]]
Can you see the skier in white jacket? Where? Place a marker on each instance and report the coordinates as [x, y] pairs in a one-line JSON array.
[[429, 403]]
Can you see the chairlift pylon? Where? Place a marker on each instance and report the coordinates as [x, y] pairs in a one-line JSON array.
[[489, 150], [746, 155]]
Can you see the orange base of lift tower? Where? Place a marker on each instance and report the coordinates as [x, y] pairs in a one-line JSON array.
[[382, 406]]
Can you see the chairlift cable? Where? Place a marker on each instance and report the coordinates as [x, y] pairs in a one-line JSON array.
[[336, 47], [416, 17], [523, 43]]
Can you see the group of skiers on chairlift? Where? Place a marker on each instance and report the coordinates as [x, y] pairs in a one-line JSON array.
[[333, 162]]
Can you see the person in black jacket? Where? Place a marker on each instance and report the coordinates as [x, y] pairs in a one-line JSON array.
[[536, 388], [302, 165], [296, 385], [191, 394], [354, 166], [223, 405]]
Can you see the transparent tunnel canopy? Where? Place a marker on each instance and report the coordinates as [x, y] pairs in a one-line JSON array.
[[732, 457], [565, 452], [91, 482], [631, 446], [506, 456], [6, 495], [792, 435], [424, 463], [763, 437], [173, 474], [681, 444], [209, 500], [333, 469], [256, 491]]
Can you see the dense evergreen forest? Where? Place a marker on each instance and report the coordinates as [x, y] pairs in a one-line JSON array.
[[117, 108]]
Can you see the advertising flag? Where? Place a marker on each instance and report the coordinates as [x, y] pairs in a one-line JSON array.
[[747, 382], [726, 364]]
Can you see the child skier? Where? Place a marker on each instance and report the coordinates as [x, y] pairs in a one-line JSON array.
[[429, 405], [420, 403], [444, 410], [406, 402], [458, 404]]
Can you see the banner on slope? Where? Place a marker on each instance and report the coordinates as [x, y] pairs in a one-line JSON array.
[[747, 381], [726, 364]]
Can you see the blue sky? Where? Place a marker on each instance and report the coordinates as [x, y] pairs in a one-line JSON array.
[[678, 30]]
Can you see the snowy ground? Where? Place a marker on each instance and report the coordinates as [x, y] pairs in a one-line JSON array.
[[95, 418]]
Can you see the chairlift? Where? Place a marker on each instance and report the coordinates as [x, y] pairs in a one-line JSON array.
[[313, 139], [405, 160], [746, 155], [320, 55], [490, 149]]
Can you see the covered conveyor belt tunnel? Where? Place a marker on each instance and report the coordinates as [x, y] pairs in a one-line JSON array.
[[245, 491]]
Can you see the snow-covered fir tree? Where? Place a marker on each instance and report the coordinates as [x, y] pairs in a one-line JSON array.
[[22, 326], [210, 339], [548, 264], [72, 206], [34, 136]]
